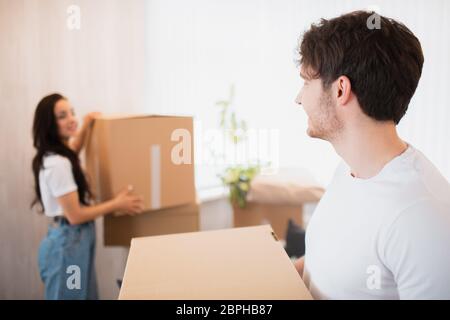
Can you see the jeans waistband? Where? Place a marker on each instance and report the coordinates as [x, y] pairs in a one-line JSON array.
[[60, 220]]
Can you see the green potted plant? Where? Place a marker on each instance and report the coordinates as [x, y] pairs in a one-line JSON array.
[[237, 178]]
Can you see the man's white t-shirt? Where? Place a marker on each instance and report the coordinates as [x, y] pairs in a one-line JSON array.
[[387, 237], [55, 180]]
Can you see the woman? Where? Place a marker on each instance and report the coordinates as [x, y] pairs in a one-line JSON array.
[[66, 255]]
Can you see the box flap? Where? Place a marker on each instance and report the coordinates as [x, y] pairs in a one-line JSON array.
[[241, 263], [120, 116]]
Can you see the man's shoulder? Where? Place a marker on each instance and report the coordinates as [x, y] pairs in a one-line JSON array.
[[436, 186], [425, 201]]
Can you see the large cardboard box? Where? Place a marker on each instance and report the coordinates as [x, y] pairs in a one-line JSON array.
[[118, 231], [277, 215], [241, 263], [154, 154]]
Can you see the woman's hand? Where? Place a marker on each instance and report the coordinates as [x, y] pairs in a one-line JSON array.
[[125, 202], [90, 117], [78, 142], [128, 203]]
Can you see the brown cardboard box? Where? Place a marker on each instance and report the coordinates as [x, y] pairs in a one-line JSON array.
[[154, 154], [277, 215], [118, 231], [242, 263]]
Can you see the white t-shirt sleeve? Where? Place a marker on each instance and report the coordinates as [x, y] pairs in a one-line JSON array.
[[417, 251], [60, 178]]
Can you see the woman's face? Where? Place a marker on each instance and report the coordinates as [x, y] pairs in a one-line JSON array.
[[65, 119]]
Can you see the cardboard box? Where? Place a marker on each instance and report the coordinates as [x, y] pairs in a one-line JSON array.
[[277, 215], [152, 153], [242, 263], [118, 231]]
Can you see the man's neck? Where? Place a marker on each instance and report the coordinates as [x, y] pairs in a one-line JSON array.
[[368, 147]]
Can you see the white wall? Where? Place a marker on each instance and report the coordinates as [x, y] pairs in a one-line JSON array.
[[98, 67], [197, 48]]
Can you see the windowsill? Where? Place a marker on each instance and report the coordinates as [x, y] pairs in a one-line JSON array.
[[212, 194]]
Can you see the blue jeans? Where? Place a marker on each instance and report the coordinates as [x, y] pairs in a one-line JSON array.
[[66, 262]]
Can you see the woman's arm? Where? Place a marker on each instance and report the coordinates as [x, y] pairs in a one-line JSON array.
[[78, 142], [76, 214]]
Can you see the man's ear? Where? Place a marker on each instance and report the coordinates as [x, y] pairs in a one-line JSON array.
[[343, 90]]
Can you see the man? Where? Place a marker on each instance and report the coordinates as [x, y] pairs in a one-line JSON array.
[[382, 229]]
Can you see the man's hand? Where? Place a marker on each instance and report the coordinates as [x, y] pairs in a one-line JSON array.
[[299, 265]]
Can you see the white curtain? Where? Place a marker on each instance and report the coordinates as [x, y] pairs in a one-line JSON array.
[[196, 49]]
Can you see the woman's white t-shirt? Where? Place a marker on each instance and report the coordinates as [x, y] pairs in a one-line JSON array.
[[55, 180]]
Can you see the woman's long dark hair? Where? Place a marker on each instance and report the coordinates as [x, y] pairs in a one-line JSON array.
[[47, 141]]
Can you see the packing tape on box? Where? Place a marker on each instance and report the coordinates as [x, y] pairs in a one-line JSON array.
[[155, 176]]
